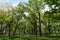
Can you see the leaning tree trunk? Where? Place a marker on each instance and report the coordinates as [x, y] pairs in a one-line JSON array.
[[16, 27]]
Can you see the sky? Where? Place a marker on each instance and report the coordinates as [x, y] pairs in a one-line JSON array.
[[16, 2], [13, 2]]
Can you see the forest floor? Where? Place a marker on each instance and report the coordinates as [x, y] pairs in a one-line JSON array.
[[29, 37]]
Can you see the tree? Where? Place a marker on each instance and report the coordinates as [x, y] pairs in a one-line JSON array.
[[35, 7], [18, 15], [54, 9]]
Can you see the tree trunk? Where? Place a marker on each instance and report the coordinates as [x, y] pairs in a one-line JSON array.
[[39, 19], [35, 27], [19, 31], [40, 31], [1, 28], [9, 29], [15, 30], [49, 26], [16, 27]]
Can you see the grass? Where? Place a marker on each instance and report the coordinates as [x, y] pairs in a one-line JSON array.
[[28, 37]]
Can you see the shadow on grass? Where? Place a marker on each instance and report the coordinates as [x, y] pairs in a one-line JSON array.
[[28, 37]]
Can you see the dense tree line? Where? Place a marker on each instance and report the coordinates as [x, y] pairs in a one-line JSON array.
[[30, 18]]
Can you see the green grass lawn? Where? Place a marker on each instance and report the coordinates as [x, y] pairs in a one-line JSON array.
[[28, 37]]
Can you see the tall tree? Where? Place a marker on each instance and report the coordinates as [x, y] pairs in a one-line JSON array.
[[36, 6]]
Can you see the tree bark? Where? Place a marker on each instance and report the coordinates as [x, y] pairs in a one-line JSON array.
[[49, 26], [39, 19], [15, 30], [9, 28], [16, 27], [35, 27], [40, 31]]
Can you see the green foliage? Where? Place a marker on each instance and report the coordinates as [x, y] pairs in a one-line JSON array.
[[30, 18]]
